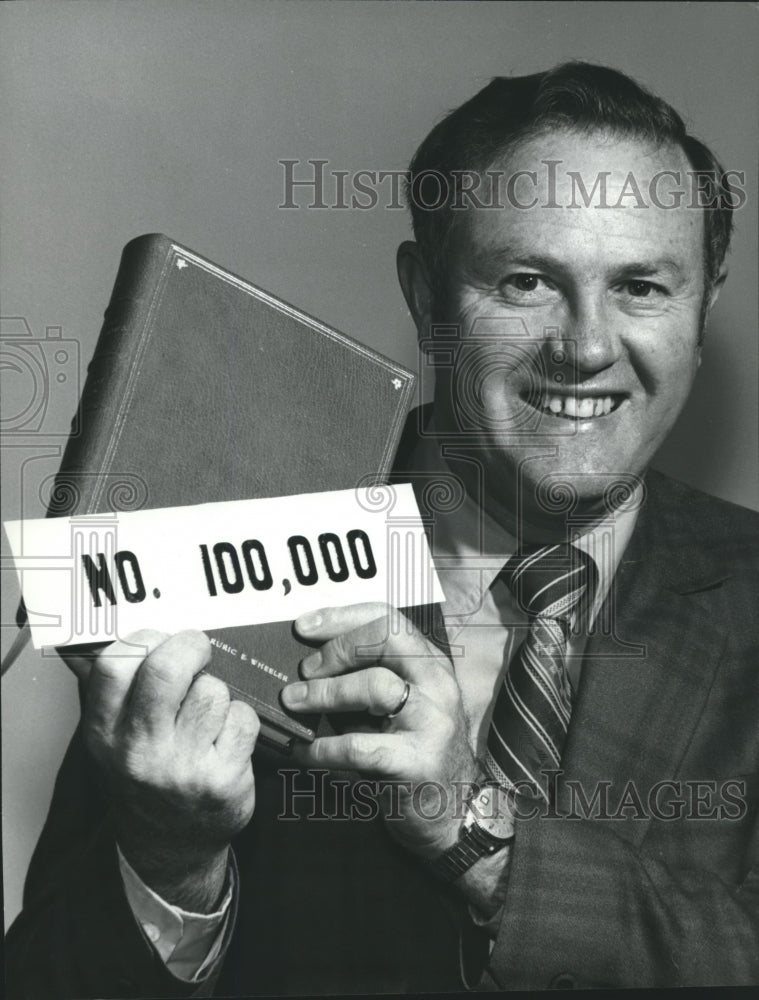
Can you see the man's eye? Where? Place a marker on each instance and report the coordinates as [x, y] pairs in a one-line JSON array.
[[526, 283], [641, 289]]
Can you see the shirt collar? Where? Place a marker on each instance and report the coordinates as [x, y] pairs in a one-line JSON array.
[[470, 548]]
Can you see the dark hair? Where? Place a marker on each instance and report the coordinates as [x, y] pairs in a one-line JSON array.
[[576, 96]]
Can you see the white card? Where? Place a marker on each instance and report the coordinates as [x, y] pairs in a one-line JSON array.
[[98, 577]]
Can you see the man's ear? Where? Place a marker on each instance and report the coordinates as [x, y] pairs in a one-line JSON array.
[[714, 291], [416, 285], [717, 287]]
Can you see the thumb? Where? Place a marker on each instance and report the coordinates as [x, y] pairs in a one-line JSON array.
[[79, 659]]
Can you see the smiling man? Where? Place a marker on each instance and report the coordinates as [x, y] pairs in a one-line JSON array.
[[611, 298], [565, 756]]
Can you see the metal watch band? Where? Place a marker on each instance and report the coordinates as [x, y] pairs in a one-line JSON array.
[[459, 858]]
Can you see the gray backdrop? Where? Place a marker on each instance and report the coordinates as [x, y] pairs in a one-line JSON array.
[[131, 117]]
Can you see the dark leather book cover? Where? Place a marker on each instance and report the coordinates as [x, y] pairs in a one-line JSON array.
[[204, 388]]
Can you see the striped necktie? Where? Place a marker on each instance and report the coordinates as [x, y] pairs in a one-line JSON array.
[[553, 585]]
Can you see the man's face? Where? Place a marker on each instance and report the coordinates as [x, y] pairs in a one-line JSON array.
[[610, 304]]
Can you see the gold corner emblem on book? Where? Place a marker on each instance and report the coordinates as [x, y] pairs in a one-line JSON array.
[[397, 383], [181, 263]]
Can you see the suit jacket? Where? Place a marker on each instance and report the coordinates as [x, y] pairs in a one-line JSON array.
[[629, 897]]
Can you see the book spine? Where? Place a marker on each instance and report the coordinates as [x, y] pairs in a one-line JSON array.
[[84, 469]]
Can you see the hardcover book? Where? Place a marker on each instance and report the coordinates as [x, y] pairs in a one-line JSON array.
[[205, 388]]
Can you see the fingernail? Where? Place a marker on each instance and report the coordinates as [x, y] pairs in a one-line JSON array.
[[308, 622], [294, 694], [311, 663]]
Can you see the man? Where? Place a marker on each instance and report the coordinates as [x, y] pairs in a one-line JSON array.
[[567, 790]]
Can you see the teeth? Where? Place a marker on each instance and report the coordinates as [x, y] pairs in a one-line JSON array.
[[579, 409]]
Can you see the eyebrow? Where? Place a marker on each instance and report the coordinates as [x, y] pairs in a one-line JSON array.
[[486, 260], [652, 267]]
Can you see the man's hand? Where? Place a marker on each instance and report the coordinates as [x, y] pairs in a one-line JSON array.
[[370, 651], [175, 754]]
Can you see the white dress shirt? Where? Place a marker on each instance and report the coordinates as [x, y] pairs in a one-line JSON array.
[[188, 943]]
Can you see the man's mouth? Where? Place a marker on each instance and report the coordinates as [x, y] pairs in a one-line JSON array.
[[575, 407]]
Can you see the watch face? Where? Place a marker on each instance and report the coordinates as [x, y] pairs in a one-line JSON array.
[[490, 811]]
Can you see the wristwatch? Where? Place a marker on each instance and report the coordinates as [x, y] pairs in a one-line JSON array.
[[487, 828]]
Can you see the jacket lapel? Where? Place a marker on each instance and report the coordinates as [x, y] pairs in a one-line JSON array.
[[645, 683], [646, 680]]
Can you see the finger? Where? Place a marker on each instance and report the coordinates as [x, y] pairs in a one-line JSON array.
[[204, 710], [369, 753], [238, 735], [112, 675], [390, 640], [376, 690], [164, 679], [326, 623]]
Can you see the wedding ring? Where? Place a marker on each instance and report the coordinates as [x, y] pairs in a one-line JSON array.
[[401, 704]]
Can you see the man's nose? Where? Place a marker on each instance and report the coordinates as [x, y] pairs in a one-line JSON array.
[[591, 339]]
